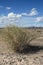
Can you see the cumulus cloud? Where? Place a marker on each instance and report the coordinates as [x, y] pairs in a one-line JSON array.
[[39, 19], [18, 15], [13, 18], [33, 12], [8, 8], [13, 15], [10, 18]]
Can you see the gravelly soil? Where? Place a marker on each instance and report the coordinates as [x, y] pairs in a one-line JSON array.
[[21, 59], [10, 58]]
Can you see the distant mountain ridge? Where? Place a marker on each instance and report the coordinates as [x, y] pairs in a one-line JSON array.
[[33, 27]]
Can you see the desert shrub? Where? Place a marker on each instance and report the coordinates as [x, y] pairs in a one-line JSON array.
[[18, 38]]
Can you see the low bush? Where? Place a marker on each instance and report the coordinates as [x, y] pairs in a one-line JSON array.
[[18, 38]]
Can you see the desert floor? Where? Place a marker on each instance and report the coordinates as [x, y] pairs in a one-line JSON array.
[[8, 57]]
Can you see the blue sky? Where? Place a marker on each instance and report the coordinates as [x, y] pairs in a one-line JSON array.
[[22, 13]]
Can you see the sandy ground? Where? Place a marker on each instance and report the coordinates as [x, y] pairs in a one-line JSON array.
[[10, 58], [21, 59]]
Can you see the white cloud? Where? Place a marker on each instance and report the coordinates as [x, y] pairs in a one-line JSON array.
[[33, 12], [11, 17], [24, 14], [39, 19], [17, 18], [8, 8], [18, 15]]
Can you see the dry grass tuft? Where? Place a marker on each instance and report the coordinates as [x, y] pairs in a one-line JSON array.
[[17, 38]]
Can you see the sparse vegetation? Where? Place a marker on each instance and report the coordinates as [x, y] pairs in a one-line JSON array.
[[18, 38]]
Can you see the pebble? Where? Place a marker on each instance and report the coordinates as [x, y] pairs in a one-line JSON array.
[[17, 59]]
